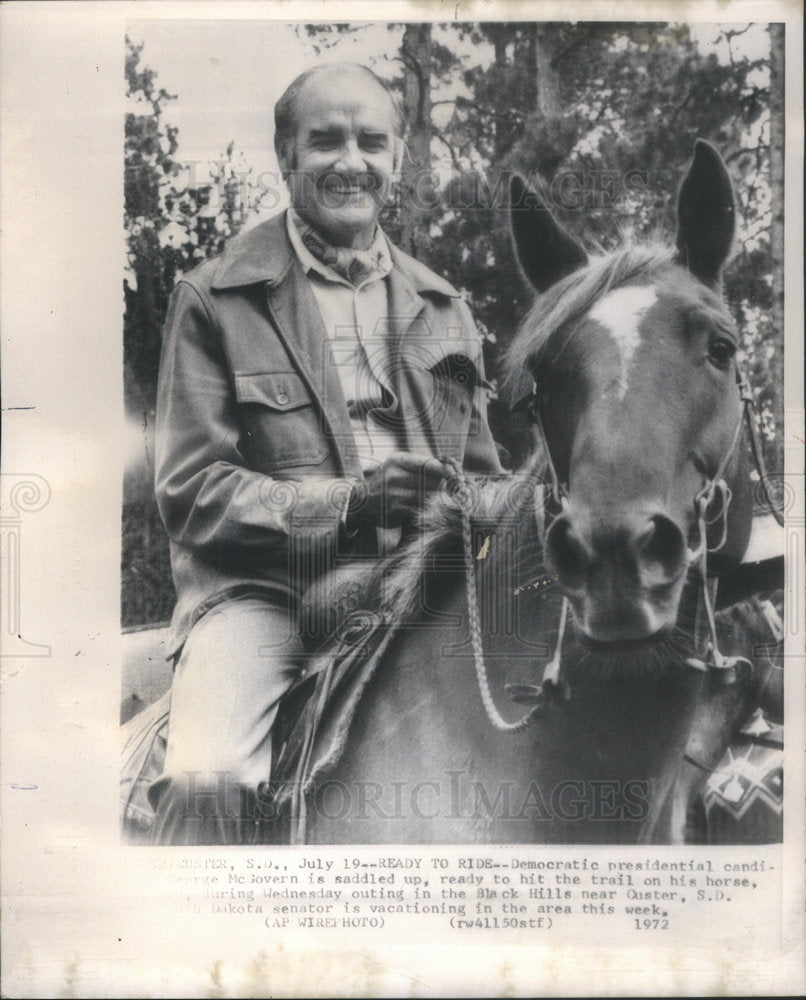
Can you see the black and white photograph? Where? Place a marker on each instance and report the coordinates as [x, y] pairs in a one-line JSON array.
[[459, 477], [402, 496]]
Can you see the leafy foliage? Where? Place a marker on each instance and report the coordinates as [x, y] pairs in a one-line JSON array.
[[602, 117]]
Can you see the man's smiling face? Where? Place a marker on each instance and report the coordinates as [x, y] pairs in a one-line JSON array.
[[339, 167]]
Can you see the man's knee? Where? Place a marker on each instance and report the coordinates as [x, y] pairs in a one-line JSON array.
[[197, 794], [193, 807]]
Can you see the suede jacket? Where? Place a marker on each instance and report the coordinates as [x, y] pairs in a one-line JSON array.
[[255, 456]]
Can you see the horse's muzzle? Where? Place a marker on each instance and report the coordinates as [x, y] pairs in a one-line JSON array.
[[623, 576]]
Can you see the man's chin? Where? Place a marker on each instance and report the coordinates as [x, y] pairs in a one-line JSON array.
[[354, 225]]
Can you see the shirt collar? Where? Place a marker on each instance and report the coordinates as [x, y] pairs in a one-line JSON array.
[[264, 254], [311, 263]]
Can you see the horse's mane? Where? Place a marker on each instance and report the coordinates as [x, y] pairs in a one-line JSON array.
[[570, 299], [398, 579]]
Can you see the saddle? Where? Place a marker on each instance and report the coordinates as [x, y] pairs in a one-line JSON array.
[[352, 627], [345, 632], [145, 741]]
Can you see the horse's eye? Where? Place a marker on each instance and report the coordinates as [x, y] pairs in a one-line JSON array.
[[721, 351]]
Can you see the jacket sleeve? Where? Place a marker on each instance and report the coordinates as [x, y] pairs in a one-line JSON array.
[[209, 499]]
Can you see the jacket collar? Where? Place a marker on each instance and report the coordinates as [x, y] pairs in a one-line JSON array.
[[259, 255], [264, 255], [421, 278]]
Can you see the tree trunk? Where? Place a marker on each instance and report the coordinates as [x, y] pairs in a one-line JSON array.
[[546, 77], [777, 124], [416, 180]]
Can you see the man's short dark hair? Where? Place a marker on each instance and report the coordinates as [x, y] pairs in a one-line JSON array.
[[285, 110]]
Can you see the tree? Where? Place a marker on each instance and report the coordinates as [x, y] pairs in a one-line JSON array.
[[416, 188], [174, 218], [176, 215], [149, 149], [776, 365]]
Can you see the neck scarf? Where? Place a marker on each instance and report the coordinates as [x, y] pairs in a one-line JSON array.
[[355, 266]]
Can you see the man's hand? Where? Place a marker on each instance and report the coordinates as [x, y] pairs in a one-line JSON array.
[[396, 491]]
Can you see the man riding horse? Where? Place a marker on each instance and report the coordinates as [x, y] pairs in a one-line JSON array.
[[313, 377]]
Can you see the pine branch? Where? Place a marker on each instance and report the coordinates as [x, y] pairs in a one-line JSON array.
[[439, 134]]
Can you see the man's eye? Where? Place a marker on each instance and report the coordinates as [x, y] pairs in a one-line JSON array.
[[375, 145], [721, 351]]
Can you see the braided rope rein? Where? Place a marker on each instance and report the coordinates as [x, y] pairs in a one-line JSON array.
[[463, 496]]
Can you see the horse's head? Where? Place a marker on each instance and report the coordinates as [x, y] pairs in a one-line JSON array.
[[629, 359]]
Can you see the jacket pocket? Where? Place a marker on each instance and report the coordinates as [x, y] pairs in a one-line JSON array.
[[460, 371], [455, 381], [283, 428]]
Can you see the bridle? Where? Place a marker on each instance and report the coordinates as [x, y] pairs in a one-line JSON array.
[[716, 484], [715, 661], [552, 687]]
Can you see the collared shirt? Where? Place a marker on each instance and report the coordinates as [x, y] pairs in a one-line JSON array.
[[356, 320]]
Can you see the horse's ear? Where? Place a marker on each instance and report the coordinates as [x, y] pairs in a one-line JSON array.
[[545, 251], [706, 215]]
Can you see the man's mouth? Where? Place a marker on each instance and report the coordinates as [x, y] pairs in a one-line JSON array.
[[353, 186]]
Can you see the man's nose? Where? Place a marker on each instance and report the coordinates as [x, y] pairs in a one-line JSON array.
[[351, 157]]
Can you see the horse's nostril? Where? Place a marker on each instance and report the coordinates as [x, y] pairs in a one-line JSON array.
[[662, 547], [566, 556]]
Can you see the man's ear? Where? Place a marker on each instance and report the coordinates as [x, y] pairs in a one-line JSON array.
[[285, 156], [399, 148]]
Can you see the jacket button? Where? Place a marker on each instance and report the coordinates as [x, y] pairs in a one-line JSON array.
[[282, 398]]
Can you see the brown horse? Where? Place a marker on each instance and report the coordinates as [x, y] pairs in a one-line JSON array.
[[543, 652]]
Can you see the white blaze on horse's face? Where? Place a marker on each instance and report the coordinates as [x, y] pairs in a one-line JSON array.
[[641, 414], [620, 313], [631, 356]]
